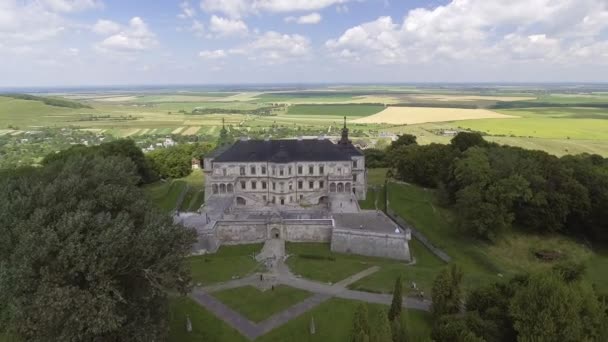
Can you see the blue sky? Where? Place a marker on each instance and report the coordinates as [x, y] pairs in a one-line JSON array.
[[111, 42]]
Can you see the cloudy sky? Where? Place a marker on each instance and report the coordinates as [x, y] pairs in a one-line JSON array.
[[110, 42]]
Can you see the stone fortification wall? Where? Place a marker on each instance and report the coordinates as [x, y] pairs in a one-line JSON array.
[[307, 230], [241, 232], [394, 246]]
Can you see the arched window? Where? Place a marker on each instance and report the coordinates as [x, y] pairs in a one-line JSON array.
[[332, 187], [240, 201], [230, 188], [340, 187], [347, 189], [215, 188], [222, 188]]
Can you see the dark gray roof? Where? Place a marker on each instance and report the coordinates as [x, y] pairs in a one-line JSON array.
[[285, 151]]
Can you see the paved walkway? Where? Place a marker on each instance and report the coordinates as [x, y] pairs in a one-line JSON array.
[[280, 274]]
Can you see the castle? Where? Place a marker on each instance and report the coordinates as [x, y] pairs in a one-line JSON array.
[[293, 190]]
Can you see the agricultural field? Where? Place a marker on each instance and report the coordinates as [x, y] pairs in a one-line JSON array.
[[550, 119], [418, 115]]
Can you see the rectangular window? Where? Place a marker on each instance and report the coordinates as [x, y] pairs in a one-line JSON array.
[[274, 171], [321, 169], [281, 171], [301, 197], [274, 186], [340, 170], [355, 164], [264, 198], [243, 185], [263, 170], [321, 184], [311, 185], [289, 170], [354, 178], [253, 170], [311, 169], [300, 184], [254, 185], [242, 170], [299, 169], [263, 185]]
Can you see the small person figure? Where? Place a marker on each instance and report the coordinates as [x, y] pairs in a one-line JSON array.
[[272, 287], [261, 277]]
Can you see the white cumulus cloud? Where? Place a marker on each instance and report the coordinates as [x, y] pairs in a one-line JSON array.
[[213, 54], [134, 37], [240, 8], [103, 26], [312, 18], [479, 30], [227, 27]]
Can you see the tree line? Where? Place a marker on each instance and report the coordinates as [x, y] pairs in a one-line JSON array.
[[541, 307], [494, 188], [51, 101]]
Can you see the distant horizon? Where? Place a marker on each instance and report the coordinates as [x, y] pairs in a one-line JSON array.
[[285, 86]]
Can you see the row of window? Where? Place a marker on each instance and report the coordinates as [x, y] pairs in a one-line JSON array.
[[264, 185], [282, 171]]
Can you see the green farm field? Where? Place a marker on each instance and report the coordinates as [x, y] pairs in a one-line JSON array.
[[564, 129]]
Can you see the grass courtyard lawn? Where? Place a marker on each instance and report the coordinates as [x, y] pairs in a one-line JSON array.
[[205, 326], [316, 261], [334, 321], [422, 273], [257, 305], [228, 262]]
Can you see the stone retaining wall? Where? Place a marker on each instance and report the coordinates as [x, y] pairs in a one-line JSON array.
[[394, 246]]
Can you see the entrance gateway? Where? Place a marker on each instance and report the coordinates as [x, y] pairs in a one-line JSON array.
[[275, 233]]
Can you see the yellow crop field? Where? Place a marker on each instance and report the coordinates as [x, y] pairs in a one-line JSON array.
[[418, 115], [191, 130], [177, 130]]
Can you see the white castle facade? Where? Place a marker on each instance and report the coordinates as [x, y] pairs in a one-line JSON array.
[[292, 190]]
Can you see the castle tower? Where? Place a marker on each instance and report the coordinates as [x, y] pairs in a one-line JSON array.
[[344, 140]]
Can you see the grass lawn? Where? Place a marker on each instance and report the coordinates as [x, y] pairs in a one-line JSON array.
[[483, 262], [334, 321], [257, 305], [205, 326], [316, 261], [165, 194], [228, 262], [422, 273]]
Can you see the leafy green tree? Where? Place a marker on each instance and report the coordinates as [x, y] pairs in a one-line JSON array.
[[465, 140], [84, 256], [375, 158], [446, 292], [404, 140], [361, 327], [123, 147], [176, 161], [397, 302]]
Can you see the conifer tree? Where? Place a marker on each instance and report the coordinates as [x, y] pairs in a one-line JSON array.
[[395, 310]]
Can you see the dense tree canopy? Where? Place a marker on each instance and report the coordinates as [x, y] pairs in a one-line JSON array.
[[538, 307], [176, 161], [83, 255], [124, 147], [494, 188]]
